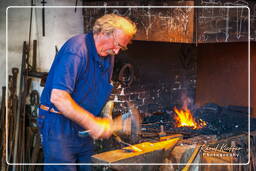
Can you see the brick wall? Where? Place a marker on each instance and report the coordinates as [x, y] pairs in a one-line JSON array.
[[163, 71]]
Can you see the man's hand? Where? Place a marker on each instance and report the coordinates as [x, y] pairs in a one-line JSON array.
[[102, 128], [99, 127]]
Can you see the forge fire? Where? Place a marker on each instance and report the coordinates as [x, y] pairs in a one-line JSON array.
[[185, 118]]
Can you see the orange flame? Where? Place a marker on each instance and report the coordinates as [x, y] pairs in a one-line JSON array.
[[185, 118]]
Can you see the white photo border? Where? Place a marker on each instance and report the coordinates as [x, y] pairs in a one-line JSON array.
[[155, 7]]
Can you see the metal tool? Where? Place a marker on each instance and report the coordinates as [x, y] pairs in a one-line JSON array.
[[43, 2], [83, 133], [117, 121], [34, 56], [118, 139], [132, 127], [76, 6]]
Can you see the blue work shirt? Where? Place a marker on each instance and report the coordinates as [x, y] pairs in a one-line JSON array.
[[79, 70]]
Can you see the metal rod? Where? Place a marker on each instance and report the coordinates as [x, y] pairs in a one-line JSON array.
[[192, 158], [34, 55], [43, 2], [20, 103], [20, 121], [118, 139], [3, 132], [30, 24], [76, 6]]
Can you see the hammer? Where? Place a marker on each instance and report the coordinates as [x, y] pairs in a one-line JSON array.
[[128, 123]]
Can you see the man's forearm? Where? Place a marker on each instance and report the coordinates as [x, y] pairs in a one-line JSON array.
[[70, 109]]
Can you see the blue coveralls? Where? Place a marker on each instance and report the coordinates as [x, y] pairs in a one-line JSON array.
[[80, 71]]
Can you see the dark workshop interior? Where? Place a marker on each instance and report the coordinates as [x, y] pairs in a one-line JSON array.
[[188, 74]]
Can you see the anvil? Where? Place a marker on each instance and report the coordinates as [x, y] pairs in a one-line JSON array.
[[151, 153]]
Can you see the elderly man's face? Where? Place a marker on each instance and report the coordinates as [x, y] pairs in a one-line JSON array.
[[113, 43]]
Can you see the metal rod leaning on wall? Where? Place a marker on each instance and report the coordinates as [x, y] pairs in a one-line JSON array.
[[3, 131], [34, 56], [29, 134], [27, 87], [23, 134], [2, 117], [21, 103], [13, 105], [9, 115]]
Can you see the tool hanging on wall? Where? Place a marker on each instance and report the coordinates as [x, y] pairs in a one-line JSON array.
[[126, 74], [76, 5], [34, 56], [43, 2], [124, 70]]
